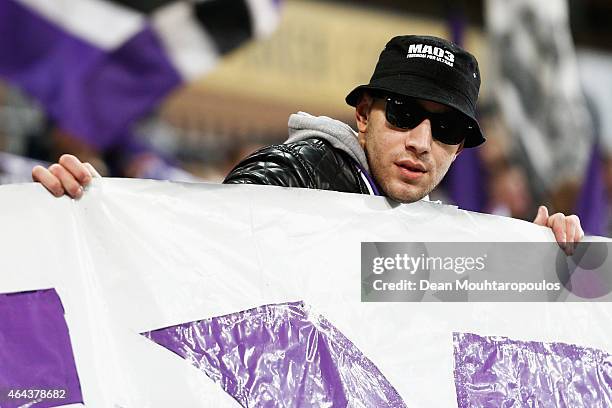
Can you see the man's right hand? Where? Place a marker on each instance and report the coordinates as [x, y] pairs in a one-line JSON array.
[[67, 176]]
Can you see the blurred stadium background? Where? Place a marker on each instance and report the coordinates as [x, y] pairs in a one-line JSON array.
[[546, 97]]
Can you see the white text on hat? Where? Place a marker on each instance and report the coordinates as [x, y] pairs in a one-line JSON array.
[[434, 53]]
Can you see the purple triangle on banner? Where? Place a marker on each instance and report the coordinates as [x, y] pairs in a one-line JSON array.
[[280, 355], [37, 367], [500, 372]]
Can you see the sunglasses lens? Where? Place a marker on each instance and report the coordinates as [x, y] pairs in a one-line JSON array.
[[403, 114], [449, 127]]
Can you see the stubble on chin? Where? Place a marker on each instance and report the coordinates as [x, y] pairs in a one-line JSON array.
[[406, 196]]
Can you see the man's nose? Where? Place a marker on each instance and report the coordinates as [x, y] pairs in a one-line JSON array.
[[419, 139]]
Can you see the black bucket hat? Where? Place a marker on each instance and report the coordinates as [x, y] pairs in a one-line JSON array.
[[428, 68]]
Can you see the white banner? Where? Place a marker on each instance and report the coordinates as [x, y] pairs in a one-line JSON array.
[[133, 256]]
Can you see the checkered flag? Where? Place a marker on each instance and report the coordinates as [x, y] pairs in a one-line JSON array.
[[96, 66]]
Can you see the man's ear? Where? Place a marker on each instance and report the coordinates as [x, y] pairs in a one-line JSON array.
[[362, 112]]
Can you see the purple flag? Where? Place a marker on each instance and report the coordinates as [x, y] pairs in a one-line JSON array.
[[592, 207], [466, 179], [98, 66]]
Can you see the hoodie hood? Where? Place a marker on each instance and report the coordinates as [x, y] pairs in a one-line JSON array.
[[303, 125]]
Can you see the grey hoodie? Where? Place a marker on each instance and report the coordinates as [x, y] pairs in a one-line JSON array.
[[303, 125]]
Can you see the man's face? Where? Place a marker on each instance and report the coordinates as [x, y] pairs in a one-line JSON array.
[[406, 164]]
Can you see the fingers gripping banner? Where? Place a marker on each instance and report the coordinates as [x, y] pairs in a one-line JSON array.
[[218, 296]]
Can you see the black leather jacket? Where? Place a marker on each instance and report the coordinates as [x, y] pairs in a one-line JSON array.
[[310, 163]]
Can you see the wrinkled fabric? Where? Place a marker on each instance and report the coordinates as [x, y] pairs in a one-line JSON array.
[[500, 372], [280, 356], [35, 351], [148, 255]]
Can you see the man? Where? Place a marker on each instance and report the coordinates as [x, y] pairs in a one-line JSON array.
[[414, 118]]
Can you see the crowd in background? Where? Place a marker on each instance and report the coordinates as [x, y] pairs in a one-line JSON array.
[[546, 109]]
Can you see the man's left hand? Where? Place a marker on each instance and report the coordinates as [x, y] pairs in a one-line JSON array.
[[566, 228]]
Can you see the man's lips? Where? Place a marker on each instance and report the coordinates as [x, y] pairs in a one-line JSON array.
[[411, 169], [412, 165]]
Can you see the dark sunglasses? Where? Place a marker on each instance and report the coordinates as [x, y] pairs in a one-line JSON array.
[[406, 113]]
